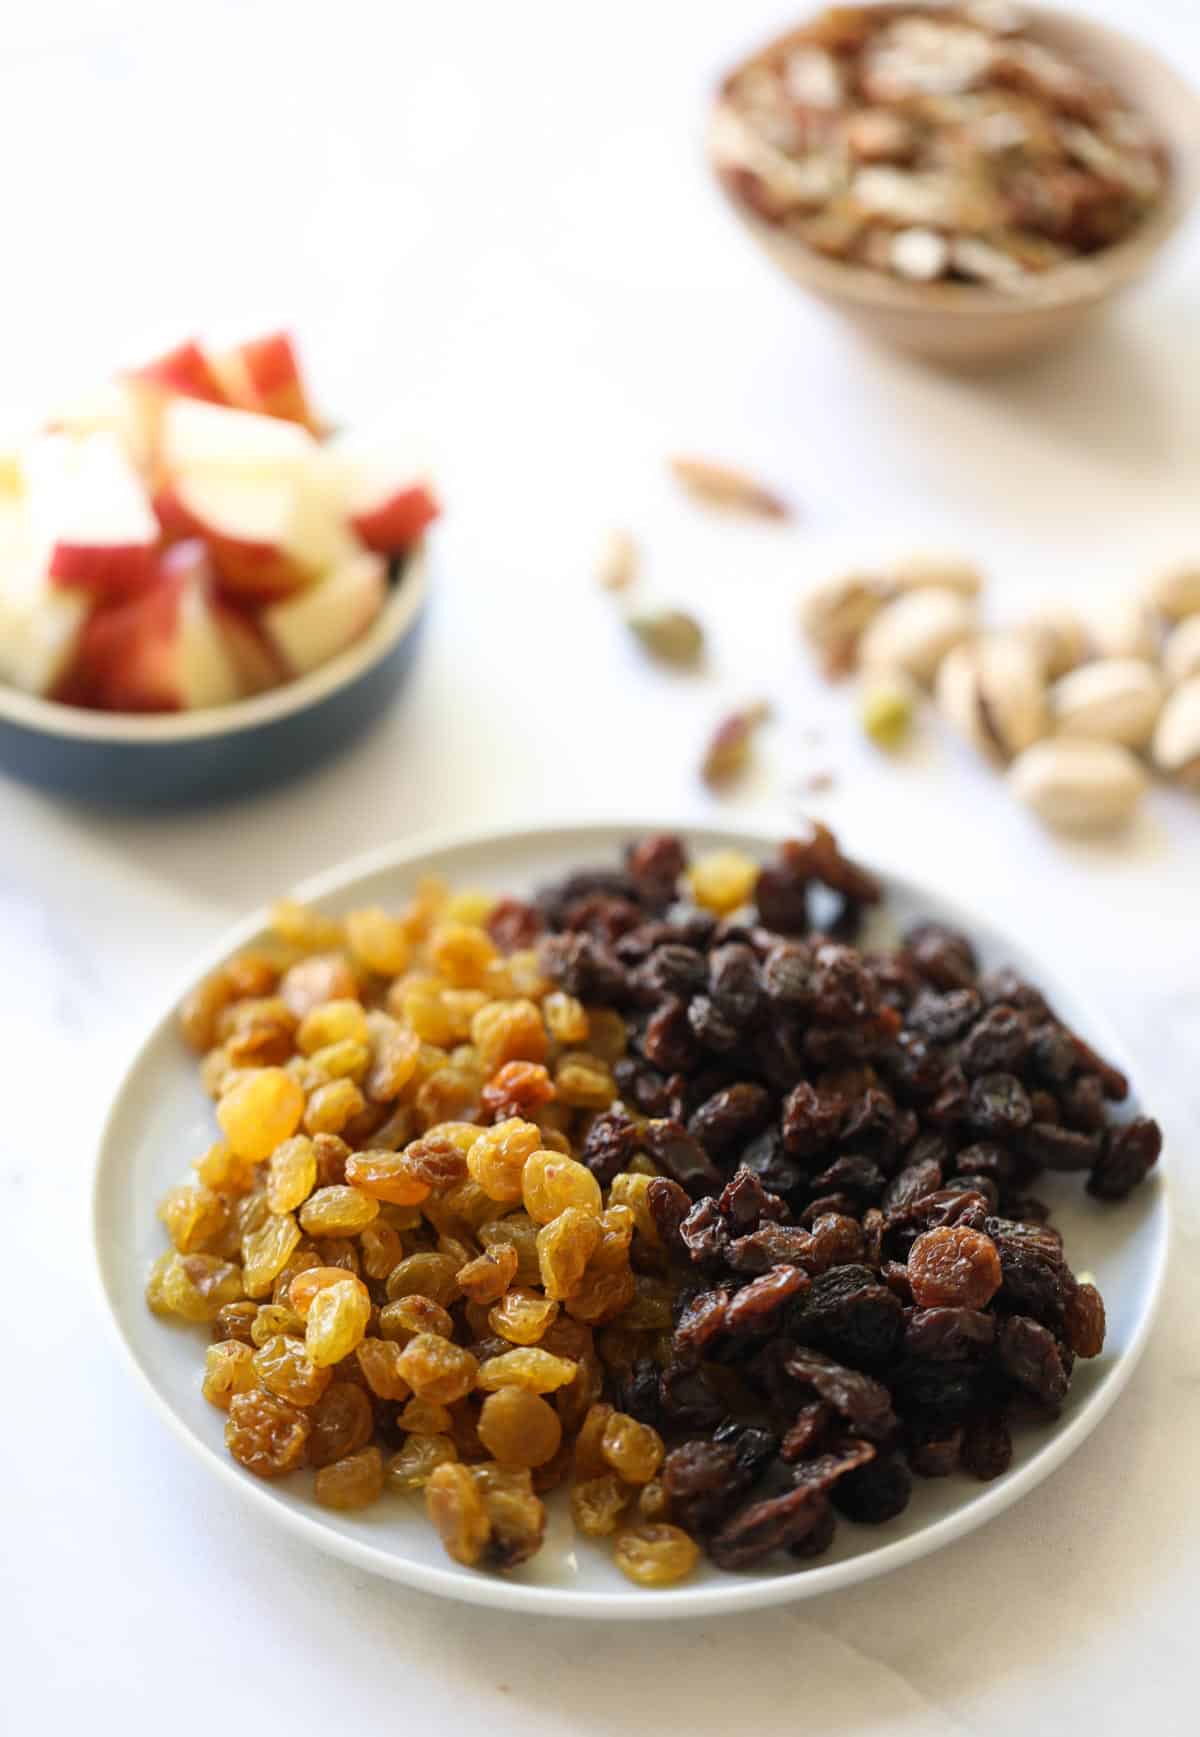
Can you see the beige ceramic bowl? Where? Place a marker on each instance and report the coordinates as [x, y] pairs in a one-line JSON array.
[[967, 325]]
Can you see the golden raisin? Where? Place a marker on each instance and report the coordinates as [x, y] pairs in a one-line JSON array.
[[303, 926], [345, 1060], [597, 1505], [631, 1189], [518, 1428], [273, 1319], [516, 1089], [608, 1035], [386, 1176], [589, 1455], [200, 1008], [425, 1274], [332, 1153], [418, 1459], [353, 1482], [305, 1285], [461, 954], [723, 880], [234, 1321], [330, 1107], [448, 1093], [336, 1321], [342, 1422], [425, 1417], [565, 1018], [584, 1082], [602, 1294], [565, 1246], [516, 1516], [652, 1502], [550, 1183], [456, 1507], [498, 1156], [485, 1279], [265, 1251], [393, 1059], [285, 1368], [221, 1169], [380, 1248], [337, 1211], [655, 1554], [377, 940], [632, 1449], [291, 1174], [379, 1361], [228, 1369], [195, 1218], [405, 1317], [528, 1367], [651, 1308], [504, 1031], [260, 1111], [437, 1369], [472, 905], [332, 1022], [266, 1434], [954, 1267], [196, 1286], [521, 1316]]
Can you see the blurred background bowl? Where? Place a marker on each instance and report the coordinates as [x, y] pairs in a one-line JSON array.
[[174, 758], [968, 325]]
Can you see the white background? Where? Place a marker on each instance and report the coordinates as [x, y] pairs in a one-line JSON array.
[[492, 224]]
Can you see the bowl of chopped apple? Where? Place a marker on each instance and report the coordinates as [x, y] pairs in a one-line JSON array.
[[202, 591]]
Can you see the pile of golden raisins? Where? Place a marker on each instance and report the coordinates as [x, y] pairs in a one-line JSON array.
[[401, 1297]]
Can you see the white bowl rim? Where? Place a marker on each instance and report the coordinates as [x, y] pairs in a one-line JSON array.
[[136, 729], [494, 1591], [1076, 282]]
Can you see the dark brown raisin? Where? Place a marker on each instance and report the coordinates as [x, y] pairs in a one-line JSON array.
[[654, 866], [987, 1445], [1030, 1354], [807, 1431], [746, 1203], [1116, 1086], [755, 1308], [668, 1041], [997, 1043], [1130, 1153], [787, 977], [851, 1315], [874, 1493], [673, 970], [811, 1120], [935, 1455], [943, 1018], [766, 1159], [942, 956], [669, 1206], [946, 1333], [701, 1480], [610, 1145], [1060, 1148], [701, 1321], [705, 1234], [733, 981], [910, 1184], [1084, 1321], [998, 1105], [730, 1117], [759, 1529], [684, 1159], [1007, 986], [1083, 1104], [511, 924], [1052, 1053], [584, 967], [862, 1402], [712, 1028], [820, 1536]]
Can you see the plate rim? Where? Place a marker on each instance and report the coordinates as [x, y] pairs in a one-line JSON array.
[[729, 1596]]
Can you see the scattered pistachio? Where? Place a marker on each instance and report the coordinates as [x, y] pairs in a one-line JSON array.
[[1175, 592], [914, 633], [729, 745], [834, 614], [1181, 652], [947, 572], [721, 485], [1060, 638], [671, 635], [887, 706], [994, 693], [1078, 786], [617, 567], [1116, 699], [1176, 746], [1124, 627]]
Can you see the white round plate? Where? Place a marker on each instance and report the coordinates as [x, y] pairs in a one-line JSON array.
[[161, 1119]]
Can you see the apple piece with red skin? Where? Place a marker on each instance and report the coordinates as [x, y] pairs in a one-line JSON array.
[[89, 515], [163, 651], [257, 665], [40, 627], [386, 494], [274, 381], [126, 409], [246, 523], [185, 370], [309, 629], [214, 439]]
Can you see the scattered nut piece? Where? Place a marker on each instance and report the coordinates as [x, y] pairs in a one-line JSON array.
[[1078, 786], [833, 615], [729, 746], [1117, 699], [1124, 627], [914, 633], [993, 692], [1060, 638], [670, 634], [1175, 593], [887, 707], [617, 567], [720, 485], [1181, 653], [928, 567], [1176, 748]]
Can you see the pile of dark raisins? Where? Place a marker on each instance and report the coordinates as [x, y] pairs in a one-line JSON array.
[[846, 1143]]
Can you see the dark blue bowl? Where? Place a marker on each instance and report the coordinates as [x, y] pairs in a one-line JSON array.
[[178, 758]]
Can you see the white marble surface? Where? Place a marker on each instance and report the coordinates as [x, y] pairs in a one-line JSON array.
[[493, 221]]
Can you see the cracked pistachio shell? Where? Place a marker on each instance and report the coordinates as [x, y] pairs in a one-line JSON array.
[[993, 692], [1060, 638], [1078, 786], [1117, 699], [914, 633]]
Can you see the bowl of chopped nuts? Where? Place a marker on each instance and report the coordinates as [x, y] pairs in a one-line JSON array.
[[964, 183], [467, 1289]]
